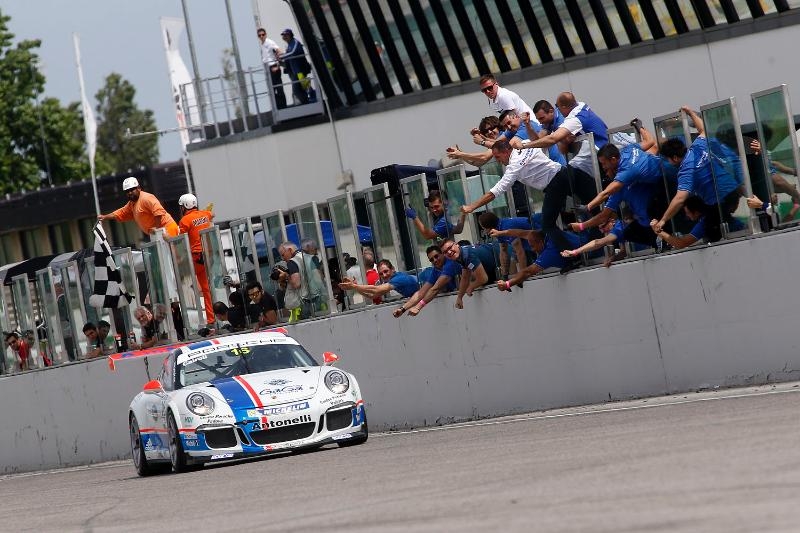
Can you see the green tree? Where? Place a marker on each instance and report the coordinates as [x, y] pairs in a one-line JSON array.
[[117, 114], [22, 145]]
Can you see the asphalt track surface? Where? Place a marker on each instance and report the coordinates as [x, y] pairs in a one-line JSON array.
[[712, 461]]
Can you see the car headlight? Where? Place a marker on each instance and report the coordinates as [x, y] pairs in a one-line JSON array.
[[337, 382], [200, 404]]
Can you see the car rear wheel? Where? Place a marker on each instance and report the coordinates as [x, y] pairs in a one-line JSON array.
[[140, 462], [177, 455], [355, 441]]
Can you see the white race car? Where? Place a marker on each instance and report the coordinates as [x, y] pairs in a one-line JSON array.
[[240, 396]]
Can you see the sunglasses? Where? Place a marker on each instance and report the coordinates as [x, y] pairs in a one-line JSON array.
[[487, 88]]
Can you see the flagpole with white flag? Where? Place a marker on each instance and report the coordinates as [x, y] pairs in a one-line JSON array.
[[89, 123]]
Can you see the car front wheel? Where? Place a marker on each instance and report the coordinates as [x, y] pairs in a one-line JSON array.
[[177, 455]]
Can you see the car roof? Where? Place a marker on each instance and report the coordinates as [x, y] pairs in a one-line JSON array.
[[230, 341]]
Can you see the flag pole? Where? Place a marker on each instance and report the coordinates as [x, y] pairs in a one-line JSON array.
[[89, 123]]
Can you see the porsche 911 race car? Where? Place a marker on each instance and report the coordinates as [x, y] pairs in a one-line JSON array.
[[240, 396]]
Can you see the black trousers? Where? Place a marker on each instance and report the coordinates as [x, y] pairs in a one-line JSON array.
[[716, 214], [635, 232], [568, 182], [277, 87]]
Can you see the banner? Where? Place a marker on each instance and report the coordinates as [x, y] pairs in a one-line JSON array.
[[89, 122], [171, 29]]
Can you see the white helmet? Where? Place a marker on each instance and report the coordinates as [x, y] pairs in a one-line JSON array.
[[130, 183], [188, 201]]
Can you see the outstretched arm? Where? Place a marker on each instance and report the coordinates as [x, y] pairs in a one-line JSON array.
[[594, 244]]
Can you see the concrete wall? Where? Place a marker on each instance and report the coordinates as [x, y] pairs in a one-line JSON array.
[[277, 171], [720, 315]]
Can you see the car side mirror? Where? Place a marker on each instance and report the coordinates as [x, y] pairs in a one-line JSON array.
[[329, 358], [153, 386]]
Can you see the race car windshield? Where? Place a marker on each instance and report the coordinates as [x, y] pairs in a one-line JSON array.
[[238, 360]]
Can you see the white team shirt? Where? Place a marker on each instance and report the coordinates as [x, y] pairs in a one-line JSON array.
[[530, 166], [507, 99], [268, 48]]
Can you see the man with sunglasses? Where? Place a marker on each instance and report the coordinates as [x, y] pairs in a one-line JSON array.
[[271, 56], [501, 98], [484, 135], [442, 278]]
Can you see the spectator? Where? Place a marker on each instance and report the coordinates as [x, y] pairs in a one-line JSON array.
[[20, 348], [613, 234], [298, 69], [393, 286], [549, 117], [477, 267], [150, 328], [491, 224], [263, 309], [221, 312], [144, 209], [96, 346], [304, 286], [280, 275], [777, 173], [442, 278], [694, 208], [535, 169], [442, 228], [547, 256], [703, 175], [192, 222], [501, 98], [484, 135], [371, 272], [520, 128], [578, 120], [270, 57]]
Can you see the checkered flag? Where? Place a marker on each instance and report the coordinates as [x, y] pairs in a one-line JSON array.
[[108, 290]]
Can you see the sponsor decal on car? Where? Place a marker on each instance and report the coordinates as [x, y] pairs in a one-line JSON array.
[[190, 442], [282, 410], [281, 390], [345, 436], [202, 353], [269, 424], [277, 382], [222, 456], [335, 399], [188, 419]]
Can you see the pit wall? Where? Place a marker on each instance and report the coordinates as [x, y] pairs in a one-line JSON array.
[[722, 315]]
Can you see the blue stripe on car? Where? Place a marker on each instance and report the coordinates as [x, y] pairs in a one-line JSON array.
[[233, 392]]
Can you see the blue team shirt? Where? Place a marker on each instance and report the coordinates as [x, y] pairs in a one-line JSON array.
[[514, 223], [697, 177], [550, 257], [637, 166], [477, 254], [637, 196], [450, 268], [403, 283], [618, 231], [443, 227]]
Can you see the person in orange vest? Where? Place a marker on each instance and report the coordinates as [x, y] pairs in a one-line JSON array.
[[192, 221], [143, 208]]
